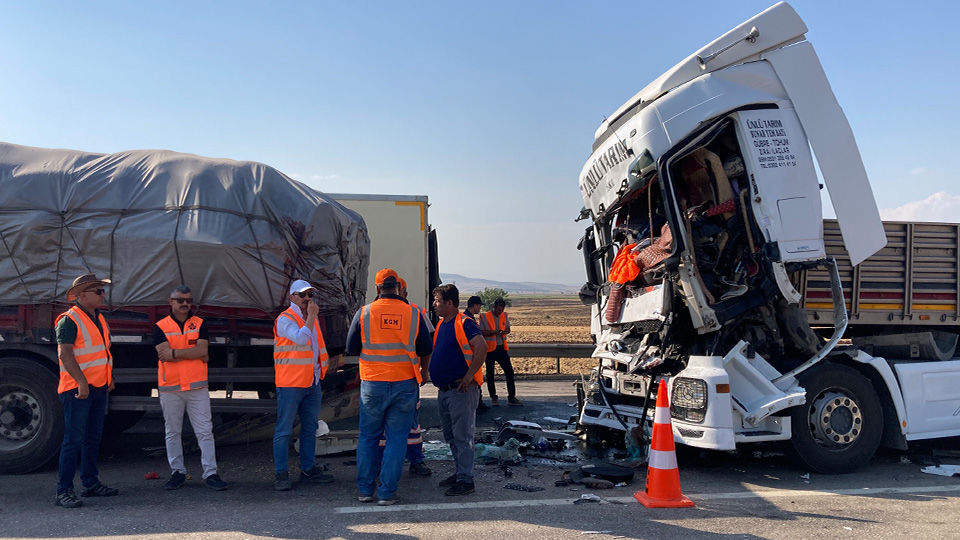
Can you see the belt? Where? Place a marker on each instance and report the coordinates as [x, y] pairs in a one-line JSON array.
[[448, 387]]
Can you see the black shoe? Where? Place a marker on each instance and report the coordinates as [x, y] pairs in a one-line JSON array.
[[282, 482], [449, 481], [482, 407], [420, 469], [461, 488], [515, 402], [68, 500], [315, 476], [215, 483], [99, 490], [176, 481], [494, 401]]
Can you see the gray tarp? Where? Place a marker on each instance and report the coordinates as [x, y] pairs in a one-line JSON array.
[[236, 232]]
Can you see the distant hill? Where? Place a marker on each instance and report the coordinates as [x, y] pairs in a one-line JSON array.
[[471, 285]]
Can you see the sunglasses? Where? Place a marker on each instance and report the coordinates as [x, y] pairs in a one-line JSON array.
[[311, 294], [97, 292], [183, 300]]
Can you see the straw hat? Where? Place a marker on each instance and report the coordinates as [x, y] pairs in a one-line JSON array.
[[83, 282]]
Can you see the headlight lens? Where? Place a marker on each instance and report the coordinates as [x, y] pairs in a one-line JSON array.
[[689, 400]]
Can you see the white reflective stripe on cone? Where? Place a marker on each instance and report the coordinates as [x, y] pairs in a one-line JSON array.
[[661, 416], [658, 459]]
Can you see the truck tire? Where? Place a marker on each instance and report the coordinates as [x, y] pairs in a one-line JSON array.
[[840, 426], [31, 416]]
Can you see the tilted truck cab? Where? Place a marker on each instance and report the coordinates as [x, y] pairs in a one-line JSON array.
[[705, 205]]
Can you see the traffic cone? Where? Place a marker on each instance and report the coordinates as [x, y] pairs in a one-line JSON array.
[[663, 476]]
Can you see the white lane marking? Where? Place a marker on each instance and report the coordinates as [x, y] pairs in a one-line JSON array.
[[772, 493]]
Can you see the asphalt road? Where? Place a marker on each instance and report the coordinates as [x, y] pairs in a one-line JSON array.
[[757, 494]]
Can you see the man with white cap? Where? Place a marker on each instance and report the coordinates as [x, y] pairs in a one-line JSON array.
[[86, 375], [300, 363]]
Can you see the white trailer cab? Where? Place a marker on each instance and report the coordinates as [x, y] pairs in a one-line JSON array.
[[711, 165], [401, 238]]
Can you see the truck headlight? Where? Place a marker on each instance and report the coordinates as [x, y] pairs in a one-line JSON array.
[[689, 400]]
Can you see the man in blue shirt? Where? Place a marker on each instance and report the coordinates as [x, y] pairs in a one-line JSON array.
[[459, 351]]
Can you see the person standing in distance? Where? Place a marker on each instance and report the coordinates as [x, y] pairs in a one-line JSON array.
[[182, 341], [300, 363], [458, 354], [473, 309], [394, 346], [495, 325], [86, 375]]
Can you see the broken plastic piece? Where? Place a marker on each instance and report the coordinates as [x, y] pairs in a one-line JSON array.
[[942, 470]]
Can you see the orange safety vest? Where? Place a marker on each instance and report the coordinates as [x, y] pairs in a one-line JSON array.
[[464, 344], [91, 349], [389, 331], [500, 323], [294, 364], [188, 374]]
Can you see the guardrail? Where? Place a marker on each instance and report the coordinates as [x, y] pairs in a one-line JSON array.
[[552, 350]]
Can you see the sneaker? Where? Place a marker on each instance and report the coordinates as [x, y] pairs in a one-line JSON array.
[[282, 483], [366, 498], [482, 407], [494, 401], [176, 481], [461, 488], [449, 481], [215, 483], [515, 402], [420, 469], [389, 501], [68, 500], [316, 476], [99, 490]]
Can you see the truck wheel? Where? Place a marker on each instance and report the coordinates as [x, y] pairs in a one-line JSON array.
[[31, 417], [839, 428]]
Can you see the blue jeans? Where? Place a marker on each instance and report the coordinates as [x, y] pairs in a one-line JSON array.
[[82, 430], [385, 407], [291, 402]]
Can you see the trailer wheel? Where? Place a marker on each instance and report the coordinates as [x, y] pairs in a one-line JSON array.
[[31, 417], [839, 428]]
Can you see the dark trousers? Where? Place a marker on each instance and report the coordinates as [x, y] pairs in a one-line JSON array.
[[82, 431], [501, 357]]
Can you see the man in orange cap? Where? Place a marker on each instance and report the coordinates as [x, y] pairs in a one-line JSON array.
[[86, 375], [394, 345]]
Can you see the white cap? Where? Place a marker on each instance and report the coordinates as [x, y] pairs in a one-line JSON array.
[[300, 286]]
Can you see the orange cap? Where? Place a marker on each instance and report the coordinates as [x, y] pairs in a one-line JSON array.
[[386, 276], [403, 284]]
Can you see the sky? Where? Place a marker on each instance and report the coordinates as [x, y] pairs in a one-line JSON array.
[[488, 108]]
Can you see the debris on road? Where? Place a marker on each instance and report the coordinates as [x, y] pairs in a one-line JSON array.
[[942, 470], [522, 487]]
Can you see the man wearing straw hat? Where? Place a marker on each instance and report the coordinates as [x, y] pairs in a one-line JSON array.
[[86, 375]]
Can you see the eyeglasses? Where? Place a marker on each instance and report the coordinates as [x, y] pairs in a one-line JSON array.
[[97, 292], [183, 300], [311, 294]]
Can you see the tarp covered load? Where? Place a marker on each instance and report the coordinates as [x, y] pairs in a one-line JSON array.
[[236, 232]]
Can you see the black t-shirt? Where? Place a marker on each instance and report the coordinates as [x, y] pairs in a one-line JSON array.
[[159, 337]]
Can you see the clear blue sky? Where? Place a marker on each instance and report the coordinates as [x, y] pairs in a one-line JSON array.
[[489, 108]]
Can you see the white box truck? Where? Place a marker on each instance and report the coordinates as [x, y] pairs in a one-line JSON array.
[[401, 238], [705, 213]]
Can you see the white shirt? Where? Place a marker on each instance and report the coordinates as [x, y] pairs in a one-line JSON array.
[[301, 335]]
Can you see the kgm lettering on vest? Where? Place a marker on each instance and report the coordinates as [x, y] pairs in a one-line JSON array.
[[391, 322]]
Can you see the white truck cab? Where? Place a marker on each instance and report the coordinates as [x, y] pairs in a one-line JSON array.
[[704, 201]]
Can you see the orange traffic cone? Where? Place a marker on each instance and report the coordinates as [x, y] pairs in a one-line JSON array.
[[663, 476]]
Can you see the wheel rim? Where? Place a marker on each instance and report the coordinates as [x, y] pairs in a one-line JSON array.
[[836, 419], [20, 417]]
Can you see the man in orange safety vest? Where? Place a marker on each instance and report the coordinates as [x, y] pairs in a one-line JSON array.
[[86, 375]]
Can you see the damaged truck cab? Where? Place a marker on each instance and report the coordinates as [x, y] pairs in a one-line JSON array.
[[705, 208]]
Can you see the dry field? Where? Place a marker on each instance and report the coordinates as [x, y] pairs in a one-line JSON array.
[[549, 319]]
